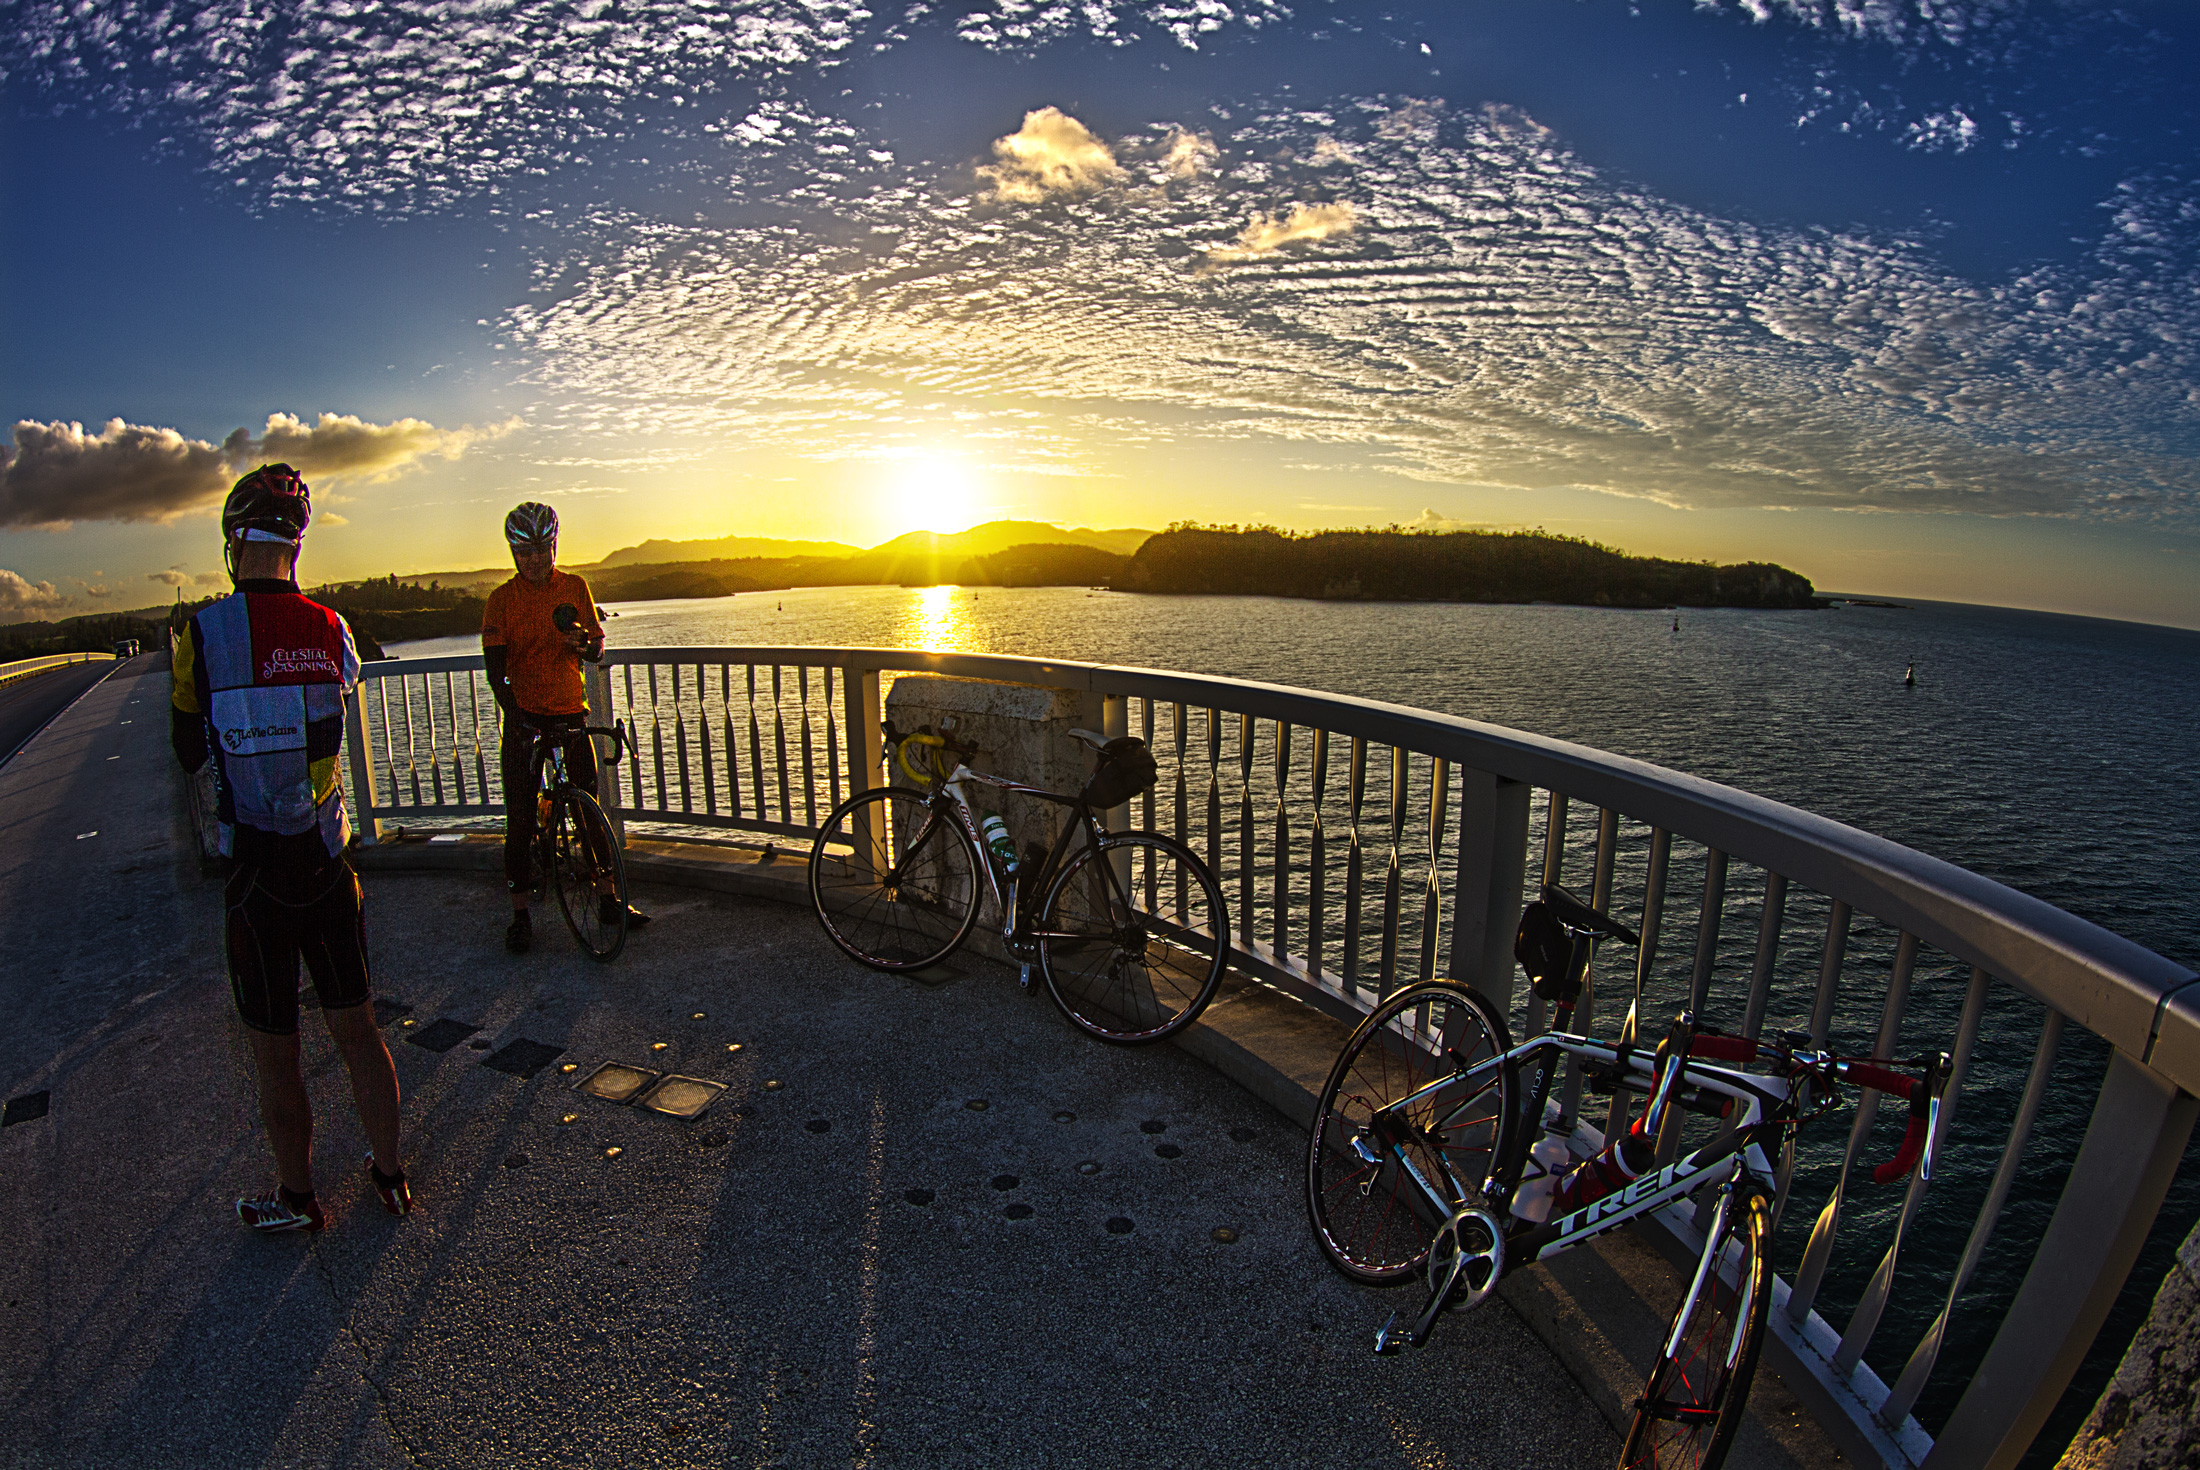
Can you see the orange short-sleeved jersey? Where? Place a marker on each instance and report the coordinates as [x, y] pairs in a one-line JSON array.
[[546, 673]]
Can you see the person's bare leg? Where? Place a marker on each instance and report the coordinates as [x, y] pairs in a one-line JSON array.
[[284, 1110], [373, 1081]]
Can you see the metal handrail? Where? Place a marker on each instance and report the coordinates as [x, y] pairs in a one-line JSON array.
[[731, 744], [22, 666]]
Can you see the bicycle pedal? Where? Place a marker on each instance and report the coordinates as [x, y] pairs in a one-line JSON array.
[[1386, 1338]]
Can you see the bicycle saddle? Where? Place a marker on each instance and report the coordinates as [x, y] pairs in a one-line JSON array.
[[1575, 914]]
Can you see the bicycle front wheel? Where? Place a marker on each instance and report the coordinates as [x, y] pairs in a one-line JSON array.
[[894, 881], [1693, 1404], [589, 873], [1375, 1160], [1133, 938]]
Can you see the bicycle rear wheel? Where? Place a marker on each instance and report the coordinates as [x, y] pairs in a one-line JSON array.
[[589, 873], [1373, 1222], [1133, 938], [1693, 1403], [894, 882]]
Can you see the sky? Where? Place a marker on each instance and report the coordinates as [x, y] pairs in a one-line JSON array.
[[1902, 294]]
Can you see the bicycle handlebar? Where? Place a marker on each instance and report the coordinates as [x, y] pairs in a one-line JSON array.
[[1923, 1092], [616, 734]]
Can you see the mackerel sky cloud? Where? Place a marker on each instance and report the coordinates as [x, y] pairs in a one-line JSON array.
[[1686, 257]]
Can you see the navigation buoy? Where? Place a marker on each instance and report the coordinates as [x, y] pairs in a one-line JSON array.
[[1909, 677]]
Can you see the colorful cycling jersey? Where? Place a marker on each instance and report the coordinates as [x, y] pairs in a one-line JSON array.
[[544, 670], [267, 670]]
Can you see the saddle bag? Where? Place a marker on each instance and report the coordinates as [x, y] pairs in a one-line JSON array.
[[1126, 768], [1544, 950]]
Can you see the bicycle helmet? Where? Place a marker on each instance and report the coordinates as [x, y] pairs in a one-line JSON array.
[[531, 526], [270, 504]]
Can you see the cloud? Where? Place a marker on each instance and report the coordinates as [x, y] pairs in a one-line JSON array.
[[1328, 151], [1266, 234], [55, 475], [1189, 155], [342, 446], [1051, 154], [20, 596], [169, 578], [211, 579]]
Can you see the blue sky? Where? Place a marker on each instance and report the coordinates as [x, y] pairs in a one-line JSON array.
[[1903, 295]]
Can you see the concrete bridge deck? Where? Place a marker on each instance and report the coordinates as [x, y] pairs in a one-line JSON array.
[[755, 1287]]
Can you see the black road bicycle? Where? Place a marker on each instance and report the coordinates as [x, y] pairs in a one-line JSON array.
[[576, 850], [1127, 929], [1421, 1166]]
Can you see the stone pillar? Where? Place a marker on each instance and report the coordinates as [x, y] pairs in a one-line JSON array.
[[2148, 1417], [1022, 732]]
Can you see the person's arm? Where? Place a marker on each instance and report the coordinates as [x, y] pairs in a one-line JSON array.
[[186, 710], [494, 663], [590, 624], [495, 654]]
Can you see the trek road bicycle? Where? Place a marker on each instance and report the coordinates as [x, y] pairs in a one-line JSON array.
[[1127, 930], [1431, 1160], [577, 852]]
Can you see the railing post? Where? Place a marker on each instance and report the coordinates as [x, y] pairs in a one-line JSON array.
[[861, 711], [596, 687], [1493, 864], [2140, 1125], [365, 794]]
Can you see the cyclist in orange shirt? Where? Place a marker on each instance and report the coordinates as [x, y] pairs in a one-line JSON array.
[[535, 632]]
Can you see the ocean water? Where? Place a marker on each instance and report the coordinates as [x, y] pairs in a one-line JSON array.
[[2050, 753]]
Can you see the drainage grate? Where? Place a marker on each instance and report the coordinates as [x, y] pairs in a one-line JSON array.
[[523, 1058], [27, 1108], [443, 1035], [682, 1097], [616, 1082]]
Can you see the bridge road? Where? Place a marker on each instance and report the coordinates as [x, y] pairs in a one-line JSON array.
[[752, 1288], [28, 702]]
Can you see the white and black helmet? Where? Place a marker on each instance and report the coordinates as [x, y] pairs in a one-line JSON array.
[[532, 525]]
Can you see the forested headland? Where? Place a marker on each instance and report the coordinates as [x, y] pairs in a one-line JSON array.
[[1399, 565]]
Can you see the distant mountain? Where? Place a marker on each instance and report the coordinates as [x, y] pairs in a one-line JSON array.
[[1447, 566], [725, 548]]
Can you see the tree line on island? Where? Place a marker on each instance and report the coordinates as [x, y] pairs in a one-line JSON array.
[[1393, 564]]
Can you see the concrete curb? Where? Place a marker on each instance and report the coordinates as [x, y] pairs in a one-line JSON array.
[[1601, 1310]]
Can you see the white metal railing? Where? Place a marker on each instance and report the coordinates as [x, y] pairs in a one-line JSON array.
[[1365, 845], [22, 666]]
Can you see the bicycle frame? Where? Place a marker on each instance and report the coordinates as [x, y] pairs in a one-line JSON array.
[[1008, 888], [1762, 1115]]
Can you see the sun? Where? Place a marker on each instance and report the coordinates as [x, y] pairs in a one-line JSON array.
[[932, 491]]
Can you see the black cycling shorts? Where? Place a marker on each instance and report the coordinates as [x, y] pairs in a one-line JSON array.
[[280, 912]]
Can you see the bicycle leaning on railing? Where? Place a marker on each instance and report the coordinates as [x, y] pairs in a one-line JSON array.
[[1127, 929], [576, 851], [1422, 1164]]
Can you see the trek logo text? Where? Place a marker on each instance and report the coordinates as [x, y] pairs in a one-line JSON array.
[[1634, 1194]]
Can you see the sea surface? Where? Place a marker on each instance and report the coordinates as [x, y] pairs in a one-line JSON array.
[[2051, 753]]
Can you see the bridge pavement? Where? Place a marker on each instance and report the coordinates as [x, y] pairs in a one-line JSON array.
[[585, 1284]]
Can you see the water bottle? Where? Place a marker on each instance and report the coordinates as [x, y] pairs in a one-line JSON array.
[[997, 840], [1618, 1166], [1533, 1201]]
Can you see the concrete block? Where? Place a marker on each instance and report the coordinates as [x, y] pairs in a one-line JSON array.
[[1022, 731]]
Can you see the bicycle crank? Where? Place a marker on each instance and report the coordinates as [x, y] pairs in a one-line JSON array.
[[1465, 1262]]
